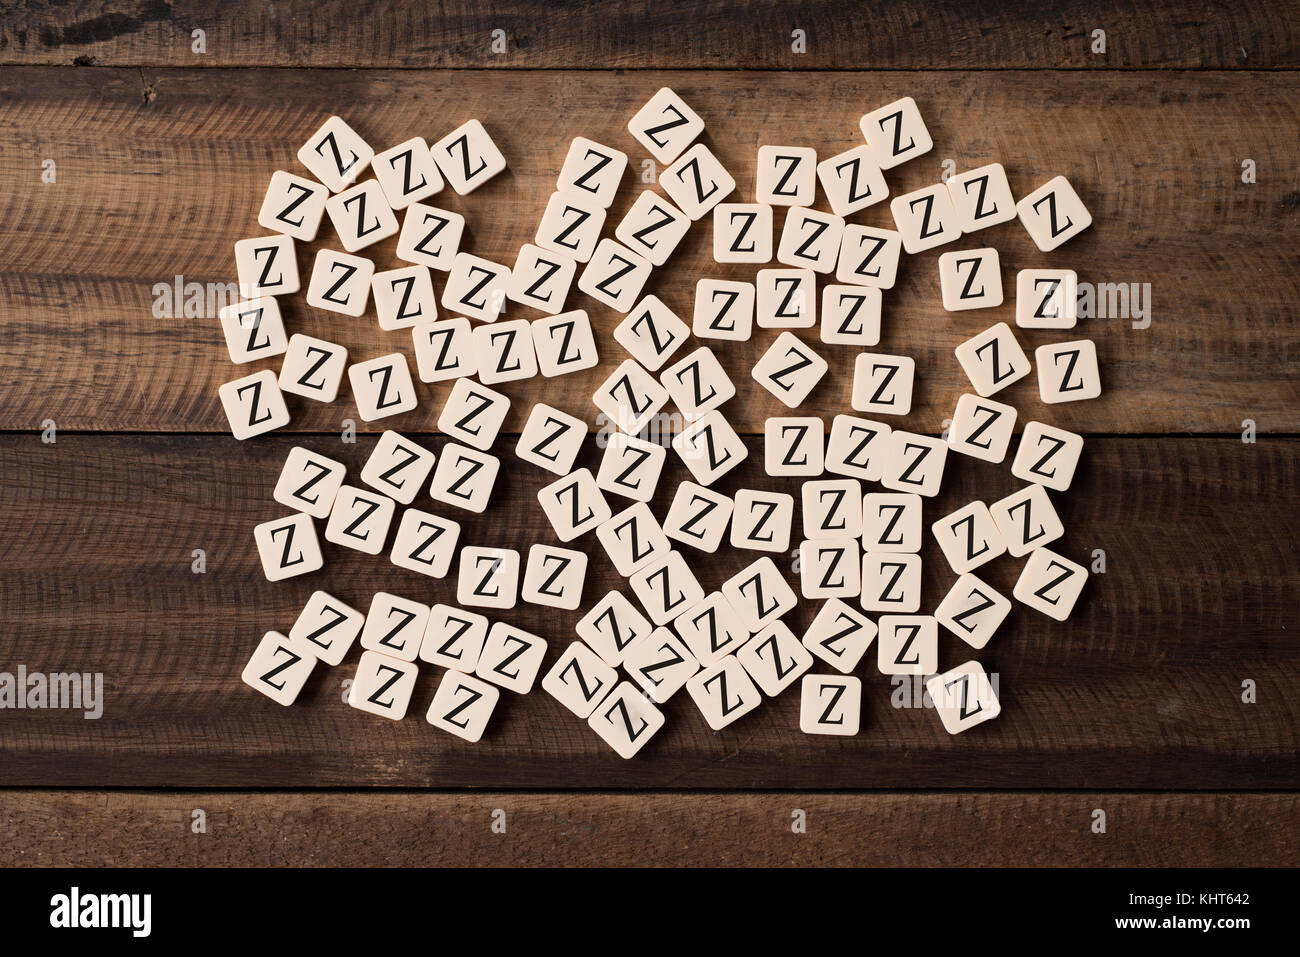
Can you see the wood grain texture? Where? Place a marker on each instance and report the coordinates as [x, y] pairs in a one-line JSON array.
[[915, 34], [148, 192], [322, 829], [1140, 689]]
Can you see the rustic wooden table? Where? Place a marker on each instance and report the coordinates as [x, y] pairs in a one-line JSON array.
[[159, 157]]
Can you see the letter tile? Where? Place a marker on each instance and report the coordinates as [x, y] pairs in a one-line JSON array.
[[430, 236], [454, 638], [850, 315], [626, 720], [288, 547], [394, 626], [309, 482], [425, 543], [551, 439], [759, 594], [570, 226], [982, 197], [1047, 298], [830, 568], [253, 330], [1067, 371], [327, 627], [963, 697], [882, 384], [981, 428], [925, 218], [969, 537], [473, 413], [856, 447], [869, 257], [464, 477], [794, 446], [564, 343], [1050, 583], [913, 463], [335, 154], [253, 404], [786, 176], [462, 706], [279, 668], [907, 645], [403, 297], [266, 266], [972, 611], [697, 383], [487, 578], [852, 181], [839, 635], [666, 587], [710, 447], [541, 278], [361, 216], [970, 279], [504, 351], [698, 516], [660, 664], [724, 692], [397, 467], [383, 685], [574, 505], [444, 349], [611, 626], [896, 133], [407, 173], [1053, 214], [742, 233], [832, 508], [761, 520], [993, 359], [665, 126], [293, 206], [614, 276], [651, 333], [789, 369], [312, 368], [467, 157], [359, 519], [891, 522], [1047, 455], [711, 629], [697, 182], [554, 577], [1026, 520], [579, 680], [476, 288], [786, 299], [774, 658], [891, 581], [592, 170], [630, 467], [652, 228], [830, 705], [382, 387], [810, 239], [724, 310], [633, 539], [339, 282]]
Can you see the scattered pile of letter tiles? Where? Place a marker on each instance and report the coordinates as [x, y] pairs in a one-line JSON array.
[[727, 649]]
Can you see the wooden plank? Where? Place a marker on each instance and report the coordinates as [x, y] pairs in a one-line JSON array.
[[921, 34], [148, 192], [321, 829], [1141, 688]]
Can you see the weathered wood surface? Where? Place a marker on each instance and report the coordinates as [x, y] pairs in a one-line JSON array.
[[360, 829], [1141, 688], [917, 34], [146, 192]]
